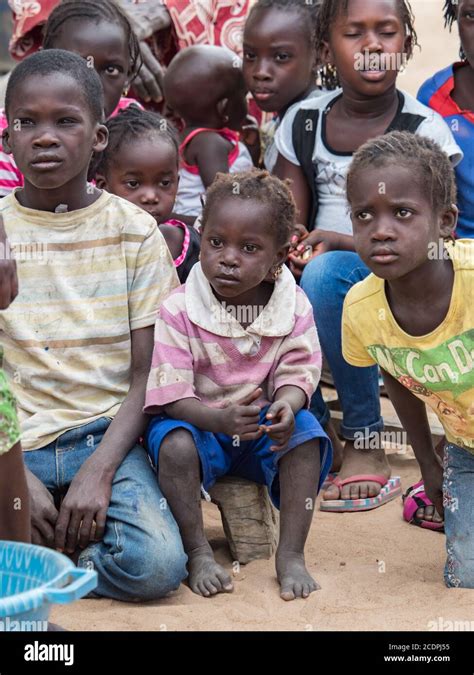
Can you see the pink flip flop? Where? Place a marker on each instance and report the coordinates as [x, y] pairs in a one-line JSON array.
[[415, 498], [391, 488]]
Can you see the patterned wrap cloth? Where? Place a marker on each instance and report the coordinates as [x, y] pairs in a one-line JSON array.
[[9, 427]]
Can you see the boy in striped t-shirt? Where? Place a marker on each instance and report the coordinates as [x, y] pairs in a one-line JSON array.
[[235, 364], [78, 339], [14, 498]]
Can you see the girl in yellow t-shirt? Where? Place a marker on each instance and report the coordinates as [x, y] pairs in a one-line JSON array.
[[414, 317]]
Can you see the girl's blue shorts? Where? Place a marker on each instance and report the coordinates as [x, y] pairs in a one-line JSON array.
[[220, 455]]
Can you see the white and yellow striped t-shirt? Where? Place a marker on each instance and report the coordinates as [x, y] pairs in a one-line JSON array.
[[87, 279]]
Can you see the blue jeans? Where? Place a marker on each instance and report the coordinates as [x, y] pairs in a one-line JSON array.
[[326, 281], [458, 501], [141, 556]]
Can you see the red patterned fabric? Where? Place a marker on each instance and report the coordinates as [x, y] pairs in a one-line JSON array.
[[29, 16], [214, 22]]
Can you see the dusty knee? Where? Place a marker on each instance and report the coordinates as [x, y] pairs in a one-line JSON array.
[[177, 449]]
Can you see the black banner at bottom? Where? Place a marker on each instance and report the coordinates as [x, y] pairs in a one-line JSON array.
[[351, 652]]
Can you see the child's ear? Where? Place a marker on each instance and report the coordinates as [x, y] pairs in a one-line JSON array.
[[101, 138], [278, 261], [448, 221], [6, 141], [222, 110], [327, 57], [282, 254], [101, 181]]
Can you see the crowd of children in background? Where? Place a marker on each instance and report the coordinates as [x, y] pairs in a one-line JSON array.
[[179, 275]]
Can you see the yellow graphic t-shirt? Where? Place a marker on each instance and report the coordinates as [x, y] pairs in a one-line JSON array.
[[439, 367]]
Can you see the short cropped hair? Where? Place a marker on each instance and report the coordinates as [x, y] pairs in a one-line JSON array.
[[429, 163], [52, 61]]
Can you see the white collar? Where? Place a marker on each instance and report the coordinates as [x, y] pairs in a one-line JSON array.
[[275, 320]]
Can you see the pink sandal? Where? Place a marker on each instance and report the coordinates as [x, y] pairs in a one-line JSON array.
[[416, 498], [391, 488]]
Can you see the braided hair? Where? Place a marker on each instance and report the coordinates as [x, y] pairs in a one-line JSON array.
[[131, 124], [307, 9], [450, 16], [327, 15], [98, 11]]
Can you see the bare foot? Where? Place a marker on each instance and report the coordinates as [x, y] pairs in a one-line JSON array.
[[206, 577], [429, 513], [356, 462], [294, 579]]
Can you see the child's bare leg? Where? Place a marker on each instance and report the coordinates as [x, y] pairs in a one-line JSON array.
[[299, 477], [14, 497], [337, 447], [180, 482]]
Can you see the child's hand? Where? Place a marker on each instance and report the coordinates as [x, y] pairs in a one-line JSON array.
[[242, 419], [43, 512], [298, 235], [433, 480], [8, 276], [250, 136], [310, 246], [282, 424]]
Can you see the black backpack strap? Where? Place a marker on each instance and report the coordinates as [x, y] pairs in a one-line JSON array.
[[304, 139], [406, 122]]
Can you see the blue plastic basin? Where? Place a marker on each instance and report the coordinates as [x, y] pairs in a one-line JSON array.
[[32, 578]]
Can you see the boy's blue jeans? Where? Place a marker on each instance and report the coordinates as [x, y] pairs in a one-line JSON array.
[[458, 501], [141, 556], [326, 281]]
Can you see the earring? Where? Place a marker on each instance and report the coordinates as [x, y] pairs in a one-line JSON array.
[[125, 90], [277, 271], [226, 119]]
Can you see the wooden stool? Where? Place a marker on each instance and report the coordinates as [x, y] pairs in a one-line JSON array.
[[249, 519]]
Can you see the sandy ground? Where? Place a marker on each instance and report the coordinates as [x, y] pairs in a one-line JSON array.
[[376, 571]]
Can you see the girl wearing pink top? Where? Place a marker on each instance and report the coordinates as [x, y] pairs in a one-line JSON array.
[[235, 363]]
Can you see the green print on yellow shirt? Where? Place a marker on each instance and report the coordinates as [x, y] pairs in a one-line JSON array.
[[437, 367], [447, 366]]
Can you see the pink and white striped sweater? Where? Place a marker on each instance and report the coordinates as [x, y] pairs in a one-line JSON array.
[[202, 351]]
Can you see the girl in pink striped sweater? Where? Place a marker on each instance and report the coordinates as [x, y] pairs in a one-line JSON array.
[[235, 363]]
